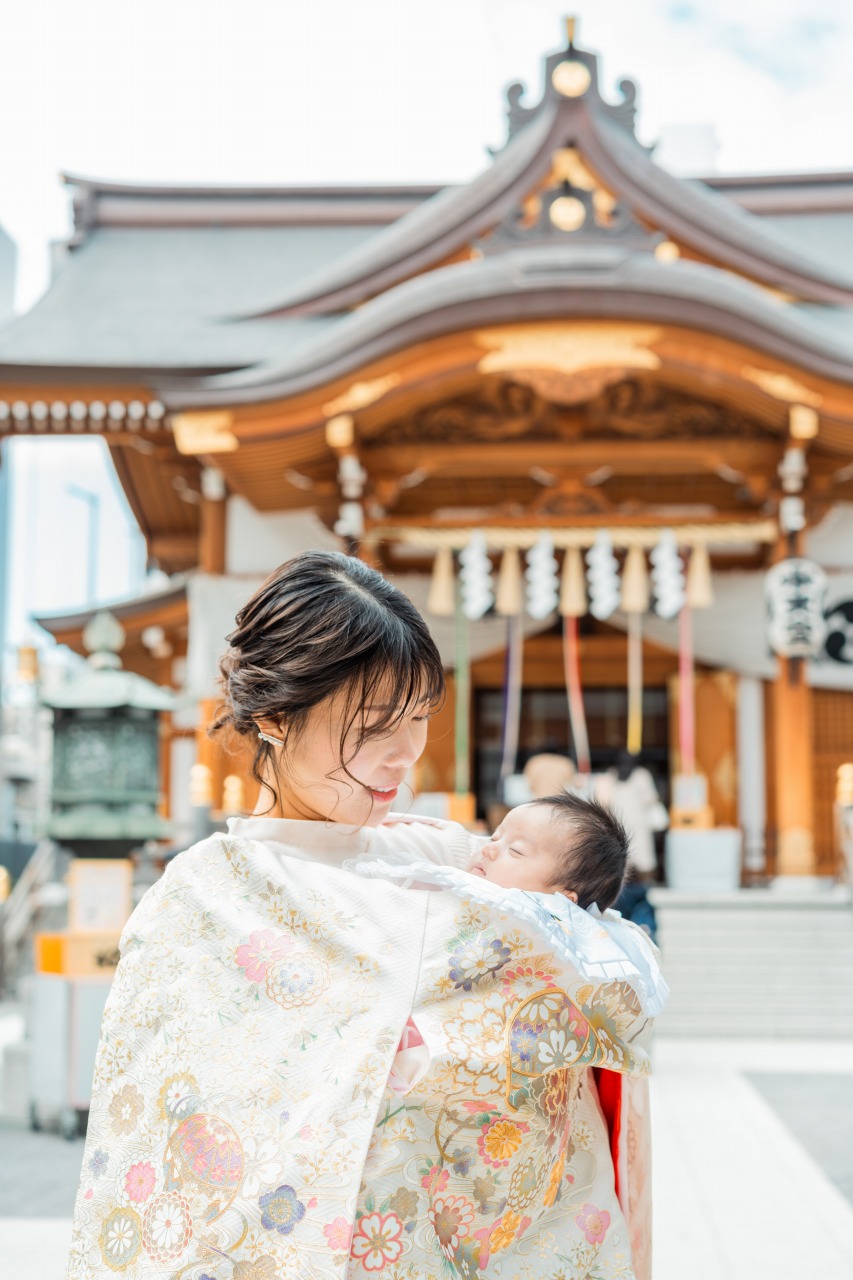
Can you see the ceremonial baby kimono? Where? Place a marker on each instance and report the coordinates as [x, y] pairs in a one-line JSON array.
[[242, 1123]]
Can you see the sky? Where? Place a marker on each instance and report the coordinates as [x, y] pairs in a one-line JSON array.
[[52, 534], [285, 92]]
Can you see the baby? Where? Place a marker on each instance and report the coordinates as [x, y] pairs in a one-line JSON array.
[[565, 844]]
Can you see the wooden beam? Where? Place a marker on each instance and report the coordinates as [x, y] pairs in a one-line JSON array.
[[625, 456], [174, 548], [687, 356], [516, 530]]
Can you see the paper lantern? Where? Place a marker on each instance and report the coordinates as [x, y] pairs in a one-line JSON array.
[[667, 576], [475, 577], [635, 582], [441, 601], [573, 585], [795, 591], [509, 596], [700, 589], [543, 585], [603, 577]]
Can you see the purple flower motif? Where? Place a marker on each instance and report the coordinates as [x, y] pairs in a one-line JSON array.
[[463, 1158], [282, 1210], [523, 1041], [476, 959], [98, 1163]]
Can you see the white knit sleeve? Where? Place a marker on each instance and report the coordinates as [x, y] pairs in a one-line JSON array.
[[431, 839]]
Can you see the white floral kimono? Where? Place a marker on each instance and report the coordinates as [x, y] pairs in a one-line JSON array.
[[242, 1127]]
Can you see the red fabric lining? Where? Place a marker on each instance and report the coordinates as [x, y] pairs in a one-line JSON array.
[[609, 1085]]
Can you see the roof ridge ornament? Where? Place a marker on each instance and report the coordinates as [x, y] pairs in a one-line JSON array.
[[570, 75], [103, 638]]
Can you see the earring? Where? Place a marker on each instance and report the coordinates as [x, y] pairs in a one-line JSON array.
[[266, 737]]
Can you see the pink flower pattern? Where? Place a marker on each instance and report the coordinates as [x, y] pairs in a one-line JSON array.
[[435, 1179], [263, 948], [593, 1223], [139, 1181], [338, 1234], [377, 1241], [525, 979]]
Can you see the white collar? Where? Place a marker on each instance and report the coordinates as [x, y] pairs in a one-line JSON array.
[[330, 842]]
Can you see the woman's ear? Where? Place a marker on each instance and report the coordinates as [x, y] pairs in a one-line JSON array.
[[271, 729]]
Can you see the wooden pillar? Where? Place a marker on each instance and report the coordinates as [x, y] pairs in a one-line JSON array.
[[211, 546], [209, 751], [793, 745], [793, 761]]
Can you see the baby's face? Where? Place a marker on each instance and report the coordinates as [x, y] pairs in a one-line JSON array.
[[524, 852]]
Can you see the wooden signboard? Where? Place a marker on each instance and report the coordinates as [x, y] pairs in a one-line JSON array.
[[77, 955]]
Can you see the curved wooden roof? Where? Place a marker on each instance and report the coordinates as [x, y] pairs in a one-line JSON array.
[[537, 283], [691, 214]]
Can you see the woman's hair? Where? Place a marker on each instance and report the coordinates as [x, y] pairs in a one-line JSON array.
[[595, 854], [324, 624]]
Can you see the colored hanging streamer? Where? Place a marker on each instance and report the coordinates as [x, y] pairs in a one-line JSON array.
[[512, 694], [635, 683], [686, 707], [462, 665], [577, 715]]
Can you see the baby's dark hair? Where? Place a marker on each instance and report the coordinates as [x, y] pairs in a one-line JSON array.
[[595, 854]]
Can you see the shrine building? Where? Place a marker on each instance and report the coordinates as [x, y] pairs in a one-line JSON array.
[[574, 352]]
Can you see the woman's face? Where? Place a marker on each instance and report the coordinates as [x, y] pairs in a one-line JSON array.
[[313, 782]]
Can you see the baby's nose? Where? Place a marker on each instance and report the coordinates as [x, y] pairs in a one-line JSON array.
[[489, 850]]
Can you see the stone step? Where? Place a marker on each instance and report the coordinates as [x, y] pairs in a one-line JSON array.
[[757, 963]]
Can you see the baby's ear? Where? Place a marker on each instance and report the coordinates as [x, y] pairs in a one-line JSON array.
[[570, 894]]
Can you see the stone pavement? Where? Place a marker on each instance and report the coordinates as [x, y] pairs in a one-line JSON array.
[[752, 1157], [753, 1166]]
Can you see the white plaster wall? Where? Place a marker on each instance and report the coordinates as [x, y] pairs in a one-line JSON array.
[[259, 541]]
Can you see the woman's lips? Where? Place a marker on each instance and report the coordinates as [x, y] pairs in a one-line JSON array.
[[384, 797]]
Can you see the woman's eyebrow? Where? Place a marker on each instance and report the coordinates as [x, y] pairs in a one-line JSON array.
[[380, 706]]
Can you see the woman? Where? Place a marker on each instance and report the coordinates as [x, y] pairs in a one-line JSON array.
[[241, 1124]]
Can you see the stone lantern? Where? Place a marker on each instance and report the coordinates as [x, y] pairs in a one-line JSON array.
[[106, 774]]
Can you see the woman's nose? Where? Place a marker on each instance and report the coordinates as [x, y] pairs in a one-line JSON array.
[[405, 747]]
